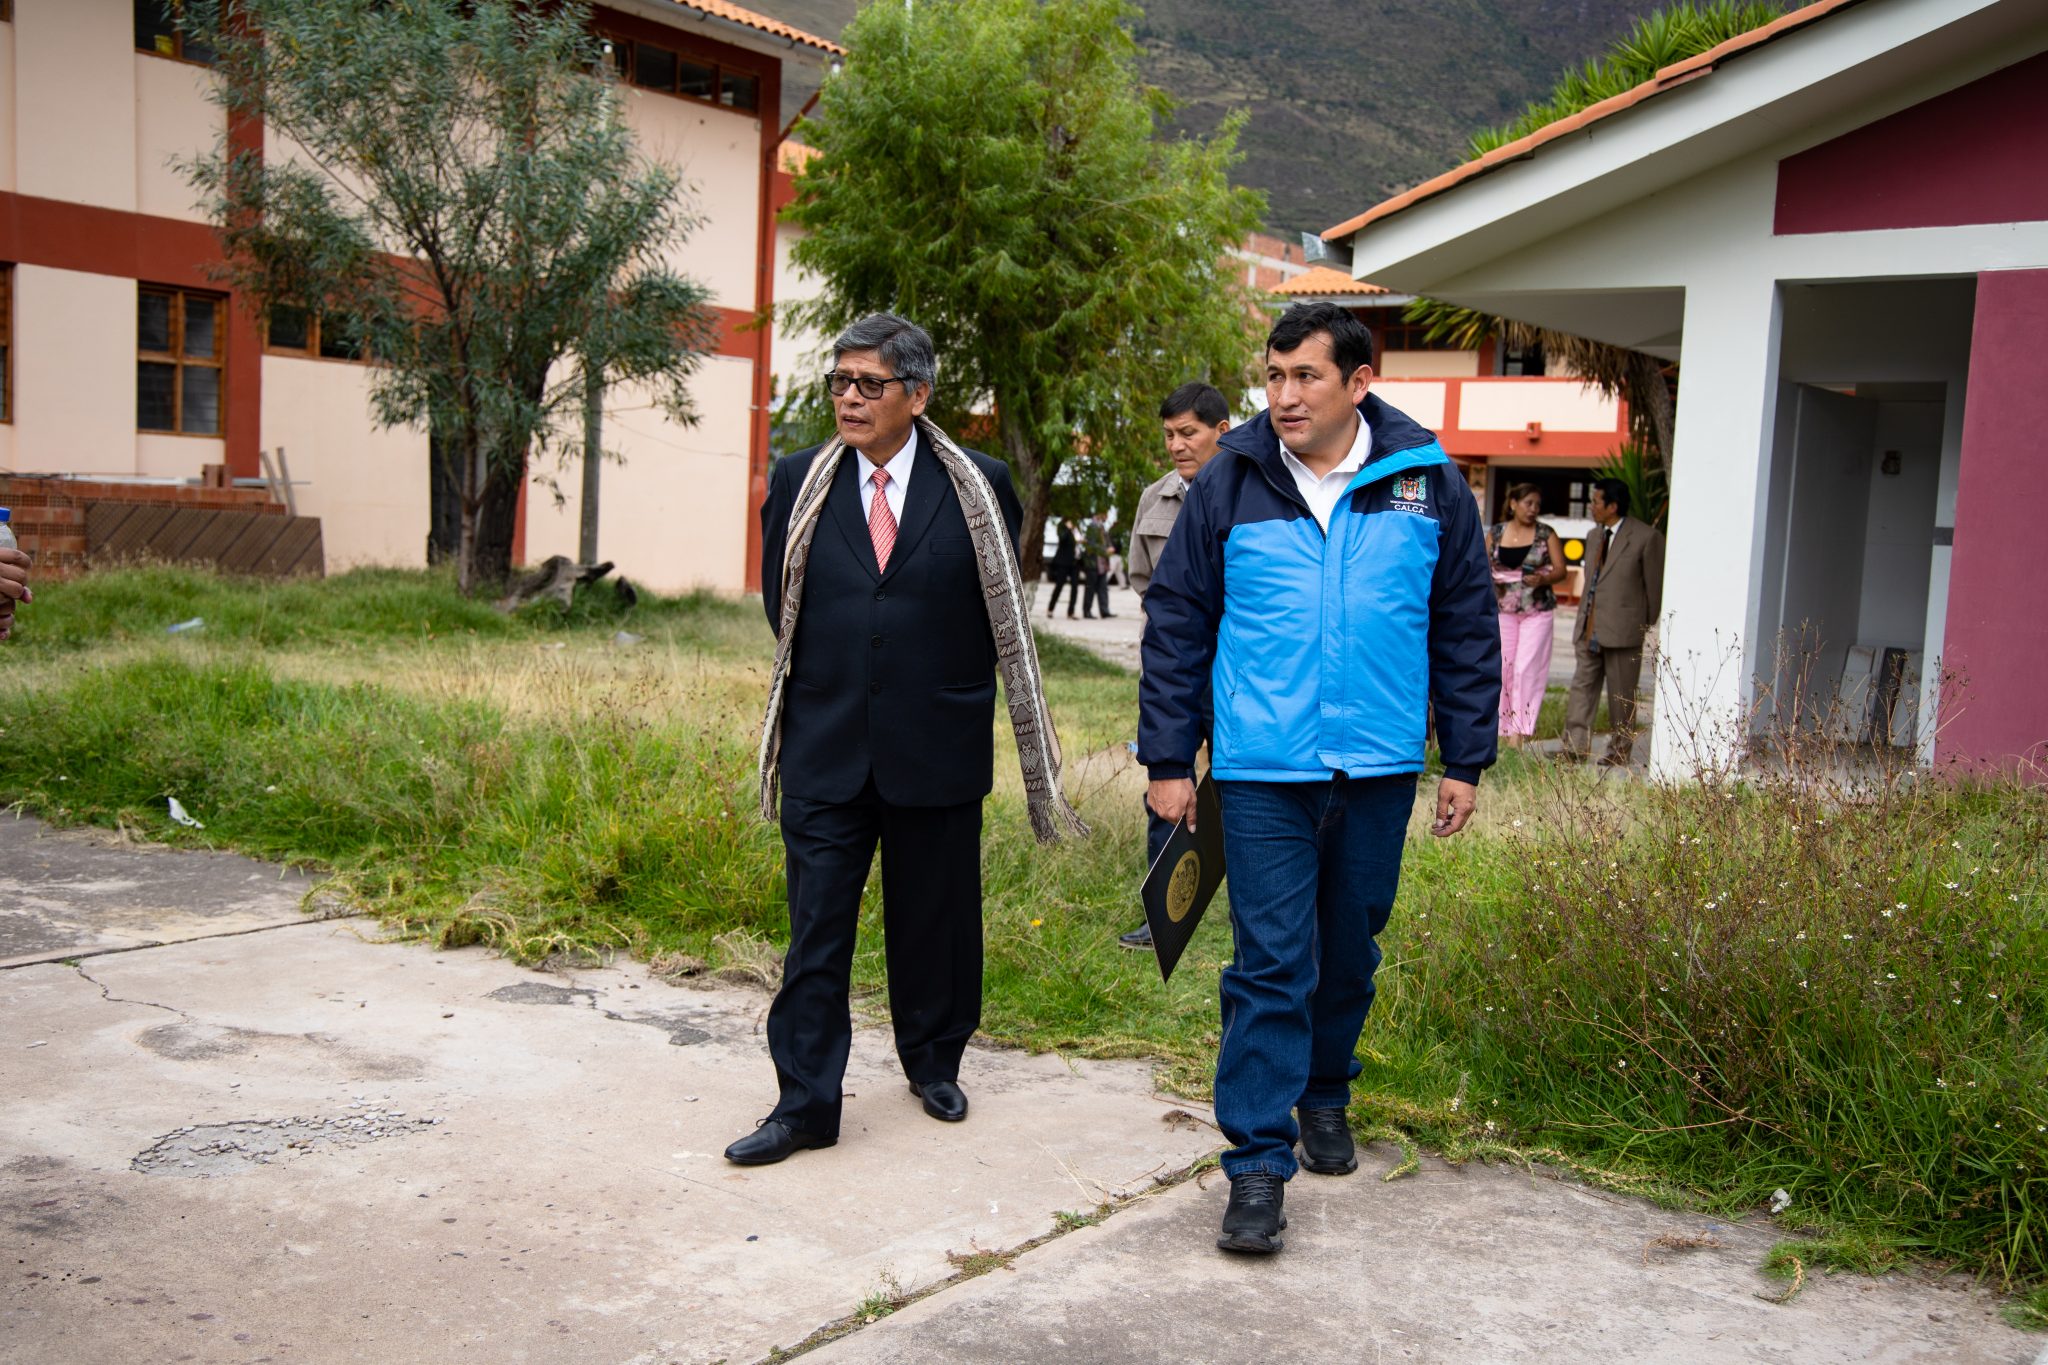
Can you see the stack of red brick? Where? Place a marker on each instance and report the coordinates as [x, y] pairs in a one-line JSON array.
[[49, 512]]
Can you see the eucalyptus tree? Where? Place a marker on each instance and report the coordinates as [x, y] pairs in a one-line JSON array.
[[451, 183], [995, 171]]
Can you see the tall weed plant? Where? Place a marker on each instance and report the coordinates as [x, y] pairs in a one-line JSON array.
[[1820, 981]]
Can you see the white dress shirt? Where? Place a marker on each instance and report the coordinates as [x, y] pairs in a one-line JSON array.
[[898, 466], [1321, 494]]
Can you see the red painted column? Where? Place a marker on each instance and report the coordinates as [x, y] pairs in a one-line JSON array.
[[1997, 634]]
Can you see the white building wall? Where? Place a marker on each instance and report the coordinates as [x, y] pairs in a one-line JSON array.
[[718, 153], [74, 379], [9, 92], [674, 515], [75, 69], [174, 118], [368, 486]]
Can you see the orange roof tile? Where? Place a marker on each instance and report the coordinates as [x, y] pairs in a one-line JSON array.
[[792, 156], [719, 9], [1323, 279], [1670, 77]]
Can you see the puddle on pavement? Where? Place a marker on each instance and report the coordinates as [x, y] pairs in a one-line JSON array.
[[210, 1149], [679, 1033]]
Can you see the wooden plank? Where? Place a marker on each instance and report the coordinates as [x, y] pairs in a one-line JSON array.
[[301, 535], [252, 548]]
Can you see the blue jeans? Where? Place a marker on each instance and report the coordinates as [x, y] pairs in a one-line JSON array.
[[1313, 868]]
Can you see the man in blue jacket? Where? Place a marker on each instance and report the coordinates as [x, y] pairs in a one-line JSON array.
[[1328, 579]]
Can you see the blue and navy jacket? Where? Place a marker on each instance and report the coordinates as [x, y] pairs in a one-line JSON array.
[[1322, 653]]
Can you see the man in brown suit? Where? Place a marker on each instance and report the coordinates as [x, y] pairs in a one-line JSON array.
[[1624, 596]]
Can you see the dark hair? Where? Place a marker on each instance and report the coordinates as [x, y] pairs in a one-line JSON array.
[[1616, 493], [901, 344], [1517, 491], [1350, 339], [1203, 400]]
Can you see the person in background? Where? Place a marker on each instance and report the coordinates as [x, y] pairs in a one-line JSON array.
[[1528, 561], [14, 566], [1095, 565], [1624, 597], [1062, 570], [1194, 417]]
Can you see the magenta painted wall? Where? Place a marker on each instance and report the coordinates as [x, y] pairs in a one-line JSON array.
[[1997, 635], [1978, 154]]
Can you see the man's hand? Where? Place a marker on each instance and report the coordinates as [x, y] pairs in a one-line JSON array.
[[13, 588], [1455, 802], [1173, 799]]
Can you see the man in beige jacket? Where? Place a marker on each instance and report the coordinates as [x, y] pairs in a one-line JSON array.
[[1195, 416], [1624, 597]]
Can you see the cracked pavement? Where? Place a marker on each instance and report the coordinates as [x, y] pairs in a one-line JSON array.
[[299, 1143]]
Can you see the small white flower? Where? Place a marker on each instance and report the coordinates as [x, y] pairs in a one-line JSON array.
[[1713, 905], [1802, 984], [1887, 913], [1622, 1065], [1518, 824], [1940, 1082], [1952, 885], [1847, 937], [1992, 994], [1801, 935], [1898, 905], [1891, 976]]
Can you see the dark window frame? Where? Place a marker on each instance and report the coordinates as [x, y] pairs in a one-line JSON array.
[[313, 349], [624, 62], [176, 37], [175, 357]]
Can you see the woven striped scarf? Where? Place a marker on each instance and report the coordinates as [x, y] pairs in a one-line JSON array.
[[1002, 586]]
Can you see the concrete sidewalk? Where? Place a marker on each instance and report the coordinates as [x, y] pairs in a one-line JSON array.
[[296, 1143], [300, 1144]]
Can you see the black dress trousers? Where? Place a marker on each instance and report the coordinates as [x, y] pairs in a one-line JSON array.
[[931, 929], [887, 741]]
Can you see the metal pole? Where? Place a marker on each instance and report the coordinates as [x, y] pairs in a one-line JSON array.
[[593, 459]]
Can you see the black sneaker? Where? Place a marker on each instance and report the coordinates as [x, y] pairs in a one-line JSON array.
[[1139, 938], [1326, 1146], [1255, 1214]]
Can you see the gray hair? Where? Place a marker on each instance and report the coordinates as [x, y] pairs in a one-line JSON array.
[[903, 346]]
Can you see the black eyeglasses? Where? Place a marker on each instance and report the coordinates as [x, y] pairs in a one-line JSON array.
[[869, 386]]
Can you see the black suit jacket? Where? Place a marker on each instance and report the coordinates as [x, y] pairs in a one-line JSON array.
[[892, 673]]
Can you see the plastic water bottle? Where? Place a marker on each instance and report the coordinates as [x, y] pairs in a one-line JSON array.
[[6, 532]]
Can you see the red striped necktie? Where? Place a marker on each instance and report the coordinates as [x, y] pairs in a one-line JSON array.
[[882, 521]]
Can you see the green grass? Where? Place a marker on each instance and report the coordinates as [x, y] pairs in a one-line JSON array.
[[1703, 993]]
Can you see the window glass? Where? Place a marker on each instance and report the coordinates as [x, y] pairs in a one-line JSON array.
[[202, 400], [739, 91], [290, 328], [156, 28], [154, 330], [200, 317], [697, 80], [340, 338], [155, 404], [654, 67]]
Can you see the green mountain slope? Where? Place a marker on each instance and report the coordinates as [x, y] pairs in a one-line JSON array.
[[1349, 100]]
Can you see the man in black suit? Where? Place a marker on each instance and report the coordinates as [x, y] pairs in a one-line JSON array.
[[886, 738]]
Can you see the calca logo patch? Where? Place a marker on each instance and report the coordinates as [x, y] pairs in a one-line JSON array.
[[1410, 488]]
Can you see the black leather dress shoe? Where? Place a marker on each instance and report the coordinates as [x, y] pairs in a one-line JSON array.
[[1139, 938], [772, 1141], [1256, 1213], [1326, 1146], [942, 1099]]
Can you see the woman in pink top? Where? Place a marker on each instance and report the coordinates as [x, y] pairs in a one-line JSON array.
[[1528, 559]]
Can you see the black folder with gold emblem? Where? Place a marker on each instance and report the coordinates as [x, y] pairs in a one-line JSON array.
[[1183, 878]]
